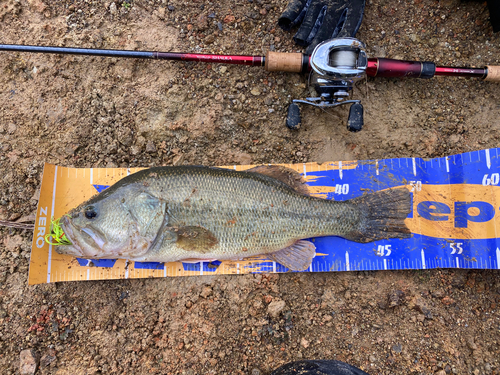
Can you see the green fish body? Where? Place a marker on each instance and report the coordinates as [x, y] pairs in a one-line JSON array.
[[168, 214]]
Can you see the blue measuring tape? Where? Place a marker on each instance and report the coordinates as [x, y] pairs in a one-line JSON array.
[[454, 221]]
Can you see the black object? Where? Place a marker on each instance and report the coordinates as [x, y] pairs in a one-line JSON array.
[[355, 120], [494, 7], [318, 367], [322, 19], [293, 117]]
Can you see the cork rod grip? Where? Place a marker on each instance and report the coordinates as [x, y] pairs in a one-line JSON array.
[[283, 62], [493, 73]]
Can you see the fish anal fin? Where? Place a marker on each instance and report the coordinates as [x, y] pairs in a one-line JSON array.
[[193, 238], [297, 257], [286, 175]]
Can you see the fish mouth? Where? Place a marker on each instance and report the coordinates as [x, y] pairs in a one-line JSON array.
[[78, 245]]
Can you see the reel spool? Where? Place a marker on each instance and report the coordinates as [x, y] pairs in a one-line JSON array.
[[336, 65]]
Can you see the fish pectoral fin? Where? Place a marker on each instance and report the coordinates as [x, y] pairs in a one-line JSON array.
[[297, 257], [193, 238], [286, 175]]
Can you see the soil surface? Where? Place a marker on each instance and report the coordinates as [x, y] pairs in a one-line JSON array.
[[108, 112]]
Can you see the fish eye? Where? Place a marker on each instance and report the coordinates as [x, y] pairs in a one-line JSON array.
[[90, 213]]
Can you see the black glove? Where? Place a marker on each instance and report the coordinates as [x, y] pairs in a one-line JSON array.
[[494, 7], [322, 20], [318, 367]]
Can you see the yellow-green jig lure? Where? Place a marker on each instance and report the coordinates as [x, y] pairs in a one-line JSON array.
[[57, 235]]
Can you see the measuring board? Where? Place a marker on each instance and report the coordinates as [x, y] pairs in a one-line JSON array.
[[455, 203]]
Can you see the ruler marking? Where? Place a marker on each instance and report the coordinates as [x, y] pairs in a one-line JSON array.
[[49, 260]]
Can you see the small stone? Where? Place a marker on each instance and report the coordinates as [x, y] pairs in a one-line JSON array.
[[28, 362], [419, 304], [255, 91], [209, 39], [275, 308], [135, 150], [395, 298], [304, 343], [223, 69], [112, 8], [229, 19], [11, 128], [438, 293], [263, 11], [256, 371], [141, 141], [207, 291], [161, 12], [447, 301], [171, 8], [46, 360], [202, 22], [150, 147], [398, 348], [441, 372], [13, 242], [372, 358]]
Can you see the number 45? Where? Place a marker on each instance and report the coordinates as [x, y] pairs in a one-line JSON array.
[[456, 247], [384, 250]]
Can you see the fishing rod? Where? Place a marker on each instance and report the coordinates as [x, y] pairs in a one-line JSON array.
[[334, 66]]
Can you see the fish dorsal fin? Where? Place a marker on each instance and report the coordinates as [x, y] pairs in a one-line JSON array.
[[297, 257], [192, 238], [286, 175]]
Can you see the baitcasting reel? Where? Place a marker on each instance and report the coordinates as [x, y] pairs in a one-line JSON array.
[[336, 65]]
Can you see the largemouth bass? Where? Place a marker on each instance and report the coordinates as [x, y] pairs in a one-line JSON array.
[[168, 214]]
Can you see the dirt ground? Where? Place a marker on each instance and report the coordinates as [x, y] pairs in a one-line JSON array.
[[108, 112]]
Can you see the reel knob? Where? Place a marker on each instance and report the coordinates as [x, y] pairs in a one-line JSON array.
[[355, 120], [293, 120]]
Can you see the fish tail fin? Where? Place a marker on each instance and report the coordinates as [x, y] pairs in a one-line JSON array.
[[382, 216]]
